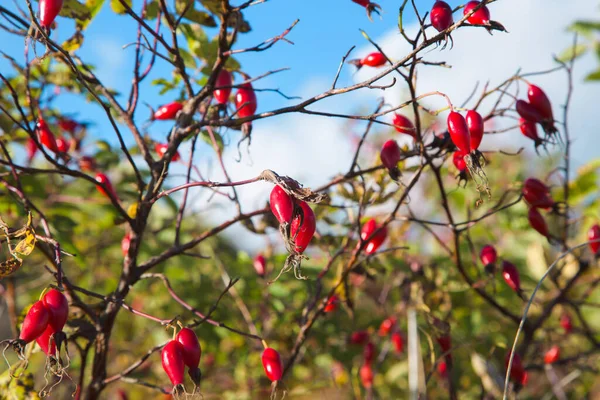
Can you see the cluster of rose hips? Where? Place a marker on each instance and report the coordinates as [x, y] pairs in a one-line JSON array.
[[441, 15], [390, 152], [537, 111]]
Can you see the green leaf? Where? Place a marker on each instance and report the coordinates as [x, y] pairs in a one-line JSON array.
[[75, 10], [188, 58], [572, 53], [594, 76], [117, 7], [74, 42], [585, 28], [152, 10]]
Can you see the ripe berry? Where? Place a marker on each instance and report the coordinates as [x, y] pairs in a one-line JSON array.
[[45, 136], [359, 337], [366, 375], [517, 372], [442, 369], [511, 276], [31, 148], [459, 132], [168, 111], [594, 234], [458, 159], [539, 100], [529, 129], [537, 194], [282, 205], [488, 255], [369, 352], [245, 101], [480, 17], [445, 343], [125, 243], [35, 322], [403, 125], [224, 82], [191, 347], [537, 221], [46, 343], [475, 125], [376, 241], [552, 355], [441, 16], [390, 154], [62, 145], [259, 264], [172, 362], [68, 125], [372, 60], [161, 149], [49, 9], [332, 304], [103, 179], [398, 342], [566, 323], [529, 112], [57, 305], [387, 326], [272, 364], [303, 229]]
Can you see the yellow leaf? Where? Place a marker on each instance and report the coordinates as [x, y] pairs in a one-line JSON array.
[[132, 210], [10, 266], [26, 246]]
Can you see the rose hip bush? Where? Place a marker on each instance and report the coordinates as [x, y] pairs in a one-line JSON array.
[[447, 266]]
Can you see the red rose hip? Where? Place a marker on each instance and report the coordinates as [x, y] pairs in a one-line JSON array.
[[272, 364], [224, 83], [479, 17], [303, 229], [168, 111], [441, 16], [459, 132], [172, 362], [282, 205], [375, 241], [35, 322]]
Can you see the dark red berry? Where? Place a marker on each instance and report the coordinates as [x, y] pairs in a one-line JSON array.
[[566, 323], [31, 148], [45, 136], [68, 125], [161, 149], [376, 241], [369, 6], [49, 9], [35, 322], [46, 341], [552, 355], [511, 276], [537, 194], [459, 132], [475, 125], [488, 255], [272, 364], [332, 304], [366, 375], [594, 234], [529, 112], [191, 347], [62, 145], [397, 342], [529, 129], [445, 343], [303, 229], [458, 159], [58, 306], [390, 154], [224, 82], [387, 326], [103, 179], [259, 264], [359, 337], [517, 372], [168, 111], [403, 125], [172, 362], [441, 16], [369, 352], [282, 205], [245, 101], [539, 100], [537, 221], [479, 17]]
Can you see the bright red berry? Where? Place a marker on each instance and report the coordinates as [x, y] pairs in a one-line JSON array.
[[245, 101], [260, 264], [282, 205], [303, 229], [49, 9], [161, 149], [224, 82], [537, 221], [172, 362], [366, 375], [31, 148], [458, 159], [387, 326], [475, 125], [488, 255], [103, 179], [168, 111], [372, 60], [441, 16], [125, 243], [479, 17], [332, 304], [62, 145], [529, 112], [191, 347], [46, 341], [552, 355], [566, 323], [442, 369], [375, 241], [529, 129], [537, 194], [45, 136], [539, 100], [403, 125], [594, 234], [511, 276], [359, 337], [369, 352], [35, 322], [397, 342], [459, 132], [58, 306], [390, 154], [272, 364]]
